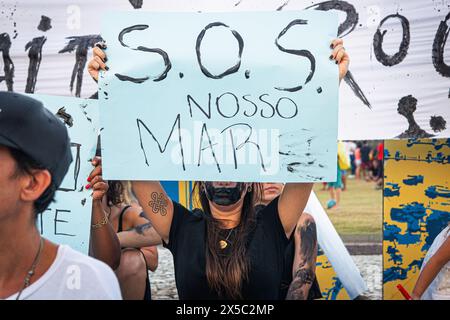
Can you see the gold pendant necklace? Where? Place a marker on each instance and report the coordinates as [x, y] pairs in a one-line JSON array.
[[30, 274], [224, 243]]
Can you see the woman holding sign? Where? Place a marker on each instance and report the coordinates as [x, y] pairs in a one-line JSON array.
[[224, 250]]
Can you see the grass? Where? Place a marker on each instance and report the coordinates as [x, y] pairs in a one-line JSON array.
[[360, 210]]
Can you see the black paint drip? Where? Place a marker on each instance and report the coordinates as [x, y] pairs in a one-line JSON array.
[[319, 90], [8, 65], [247, 74], [406, 107], [45, 24], [137, 4], [66, 117], [283, 5], [437, 123], [356, 89], [81, 45], [34, 48], [378, 38]]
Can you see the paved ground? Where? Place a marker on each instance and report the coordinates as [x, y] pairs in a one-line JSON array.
[[163, 282], [371, 270]]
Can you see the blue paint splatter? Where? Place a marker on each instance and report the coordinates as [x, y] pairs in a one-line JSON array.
[[333, 292], [437, 191], [390, 232], [415, 264], [436, 222], [413, 180], [391, 192], [412, 213], [433, 142], [408, 238], [395, 256], [394, 273]]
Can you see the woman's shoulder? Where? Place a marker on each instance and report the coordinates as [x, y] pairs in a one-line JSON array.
[[193, 214]]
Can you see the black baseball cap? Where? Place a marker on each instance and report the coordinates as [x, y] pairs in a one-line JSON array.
[[26, 125]]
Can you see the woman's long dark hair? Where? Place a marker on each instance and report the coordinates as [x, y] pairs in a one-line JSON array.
[[115, 193], [226, 273]]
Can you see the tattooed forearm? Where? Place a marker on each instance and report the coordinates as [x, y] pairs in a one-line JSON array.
[[305, 259], [297, 289], [158, 203], [140, 229], [308, 243]]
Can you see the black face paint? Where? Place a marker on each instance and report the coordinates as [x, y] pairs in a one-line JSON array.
[[224, 196]]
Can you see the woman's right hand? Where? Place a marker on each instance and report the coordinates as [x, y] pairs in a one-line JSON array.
[[97, 62]]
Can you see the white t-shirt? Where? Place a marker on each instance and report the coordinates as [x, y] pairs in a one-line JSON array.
[[74, 276], [439, 289]]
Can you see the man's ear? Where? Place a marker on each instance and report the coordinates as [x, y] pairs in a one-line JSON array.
[[35, 184]]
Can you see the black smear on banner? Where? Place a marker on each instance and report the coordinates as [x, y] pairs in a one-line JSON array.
[[8, 65], [283, 5], [438, 123], [356, 89], [34, 48], [406, 107], [137, 4], [45, 24], [66, 117]]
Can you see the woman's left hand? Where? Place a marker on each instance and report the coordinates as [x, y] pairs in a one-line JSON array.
[[341, 57], [96, 182]]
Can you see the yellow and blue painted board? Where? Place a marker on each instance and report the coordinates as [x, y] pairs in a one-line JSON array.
[[416, 207]]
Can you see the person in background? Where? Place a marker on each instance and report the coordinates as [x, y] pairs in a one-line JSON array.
[[35, 155], [343, 163], [358, 161], [434, 279], [132, 271], [380, 152], [376, 173], [365, 159], [299, 279], [350, 148]]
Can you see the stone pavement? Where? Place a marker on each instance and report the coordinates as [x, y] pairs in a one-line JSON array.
[[163, 281]]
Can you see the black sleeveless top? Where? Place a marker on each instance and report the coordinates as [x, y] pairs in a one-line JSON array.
[[265, 250]]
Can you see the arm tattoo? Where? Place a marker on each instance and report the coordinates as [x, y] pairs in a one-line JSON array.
[[158, 203], [303, 276], [305, 272], [140, 229]]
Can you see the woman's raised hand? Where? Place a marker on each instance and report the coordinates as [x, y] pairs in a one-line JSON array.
[[98, 60]]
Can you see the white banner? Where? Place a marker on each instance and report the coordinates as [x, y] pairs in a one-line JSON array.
[[398, 85]]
